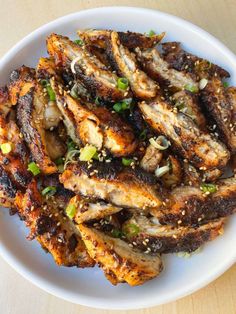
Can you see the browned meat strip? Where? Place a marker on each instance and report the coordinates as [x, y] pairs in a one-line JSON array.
[[51, 227], [201, 149], [5, 104], [119, 262], [181, 60], [15, 160], [21, 82], [189, 205], [86, 67], [158, 69], [30, 116], [221, 105], [88, 124], [151, 158], [130, 40], [87, 210], [8, 189], [188, 103], [156, 238], [173, 177], [124, 62], [122, 187]]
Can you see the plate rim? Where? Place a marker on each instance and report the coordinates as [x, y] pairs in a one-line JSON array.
[[92, 301]]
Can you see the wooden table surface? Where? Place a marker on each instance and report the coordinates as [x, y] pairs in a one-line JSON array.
[[20, 17]]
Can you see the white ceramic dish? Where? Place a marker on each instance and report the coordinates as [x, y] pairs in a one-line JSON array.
[[89, 287]]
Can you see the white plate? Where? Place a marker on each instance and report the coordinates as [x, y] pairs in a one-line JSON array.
[[89, 287]]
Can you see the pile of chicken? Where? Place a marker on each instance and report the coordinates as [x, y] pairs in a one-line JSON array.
[[113, 150]]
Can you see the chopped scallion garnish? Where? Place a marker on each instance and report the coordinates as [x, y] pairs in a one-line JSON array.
[[131, 230], [79, 42], [151, 33], [160, 143], [87, 153], [49, 190], [71, 145], [6, 148], [74, 91], [191, 88], [208, 187], [121, 106], [225, 84], [51, 93], [122, 83], [126, 161], [160, 171], [59, 161], [32, 167], [143, 135], [71, 211], [116, 233], [97, 100]]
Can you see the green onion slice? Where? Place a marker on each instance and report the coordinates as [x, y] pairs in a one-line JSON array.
[[117, 107], [79, 42], [122, 83], [143, 135], [44, 82], [59, 161], [32, 167], [126, 161], [49, 190], [51, 93], [87, 153], [191, 88], [70, 145], [131, 230], [160, 143], [225, 84], [97, 100], [160, 171], [126, 104], [71, 211], [208, 187], [74, 92], [6, 148], [116, 233], [151, 33]]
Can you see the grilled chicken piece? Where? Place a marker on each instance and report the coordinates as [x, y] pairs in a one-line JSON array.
[[86, 67], [95, 125], [188, 103], [30, 116], [51, 227], [15, 161], [87, 210], [158, 69], [130, 40], [5, 104], [151, 158], [8, 189], [122, 187], [189, 205], [124, 62], [221, 105], [181, 60], [119, 262], [202, 150], [155, 238], [21, 82], [54, 144], [174, 176]]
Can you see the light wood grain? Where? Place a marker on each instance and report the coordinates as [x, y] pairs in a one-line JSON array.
[[20, 17]]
